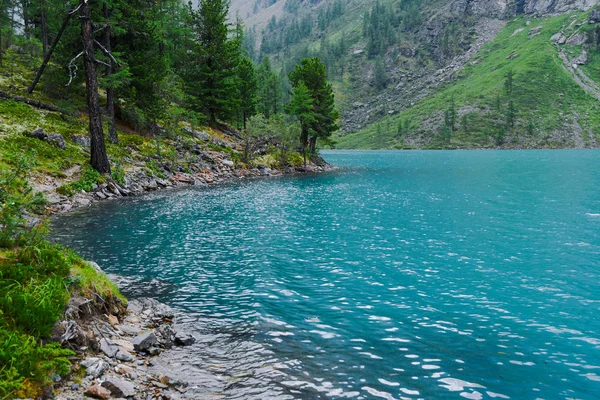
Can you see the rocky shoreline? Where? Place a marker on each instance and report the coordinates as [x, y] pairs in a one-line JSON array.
[[119, 352], [205, 165]]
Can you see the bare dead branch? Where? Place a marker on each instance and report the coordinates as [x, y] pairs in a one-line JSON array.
[[106, 52], [73, 68]]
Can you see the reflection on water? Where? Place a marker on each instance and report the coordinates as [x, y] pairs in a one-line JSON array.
[[404, 275]]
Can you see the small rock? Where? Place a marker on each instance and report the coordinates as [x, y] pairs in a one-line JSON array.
[[124, 355], [57, 140], [119, 387], [517, 31], [184, 339], [75, 387], [144, 341], [578, 39], [81, 140], [582, 58], [128, 329], [38, 133], [108, 348], [97, 392], [124, 369], [112, 320], [228, 163], [94, 366], [154, 351]]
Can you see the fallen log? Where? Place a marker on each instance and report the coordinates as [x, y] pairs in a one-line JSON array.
[[36, 104]]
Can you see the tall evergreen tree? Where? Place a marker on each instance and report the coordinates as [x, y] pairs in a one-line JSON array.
[[301, 106], [247, 89], [213, 69], [312, 73]]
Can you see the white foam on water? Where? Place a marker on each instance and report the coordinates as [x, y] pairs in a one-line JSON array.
[[409, 392], [388, 383], [472, 395], [458, 385], [377, 393], [497, 395]]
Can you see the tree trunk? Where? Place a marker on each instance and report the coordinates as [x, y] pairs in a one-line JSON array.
[[110, 92], [99, 159], [49, 54], [313, 145], [44, 26], [1, 51]]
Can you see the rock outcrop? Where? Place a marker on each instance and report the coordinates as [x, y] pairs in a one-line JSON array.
[[507, 8]]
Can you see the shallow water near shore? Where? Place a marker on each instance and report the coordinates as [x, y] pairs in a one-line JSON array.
[[464, 274]]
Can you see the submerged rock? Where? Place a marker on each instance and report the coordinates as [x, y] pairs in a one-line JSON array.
[[184, 339]]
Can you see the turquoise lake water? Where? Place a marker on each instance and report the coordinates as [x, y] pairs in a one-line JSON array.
[[436, 275]]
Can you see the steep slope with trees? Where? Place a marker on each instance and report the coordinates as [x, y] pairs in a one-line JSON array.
[[387, 56]]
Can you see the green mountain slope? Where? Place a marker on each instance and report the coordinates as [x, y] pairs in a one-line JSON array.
[[404, 66], [551, 108]]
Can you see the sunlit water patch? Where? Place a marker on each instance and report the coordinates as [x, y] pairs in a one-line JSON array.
[[402, 275]]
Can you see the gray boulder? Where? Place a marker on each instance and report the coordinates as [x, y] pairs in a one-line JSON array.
[[57, 140], [108, 348], [144, 341], [124, 355], [578, 39], [184, 339], [81, 140], [119, 387], [38, 133], [581, 59], [94, 366], [595, 16]]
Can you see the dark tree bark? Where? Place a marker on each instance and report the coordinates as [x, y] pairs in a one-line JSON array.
[[44, 26], [1, 49], [313, 145], [49, 53], [99, 159], [110, 92]]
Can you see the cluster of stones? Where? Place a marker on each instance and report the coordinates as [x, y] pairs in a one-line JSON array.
[[119, 366]]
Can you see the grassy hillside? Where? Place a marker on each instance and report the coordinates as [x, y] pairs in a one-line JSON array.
[[551, 109]]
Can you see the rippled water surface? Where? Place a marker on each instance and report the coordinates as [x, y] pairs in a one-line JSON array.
[[403, 275]]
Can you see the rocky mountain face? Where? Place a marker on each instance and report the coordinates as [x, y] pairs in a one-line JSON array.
[[507, 9]]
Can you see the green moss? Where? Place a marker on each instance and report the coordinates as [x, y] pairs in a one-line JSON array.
[[88, 179]]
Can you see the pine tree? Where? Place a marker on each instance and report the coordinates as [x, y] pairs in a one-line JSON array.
[[380, 77], [247, 89], [301, 106], [312, 73], [213, 70]]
